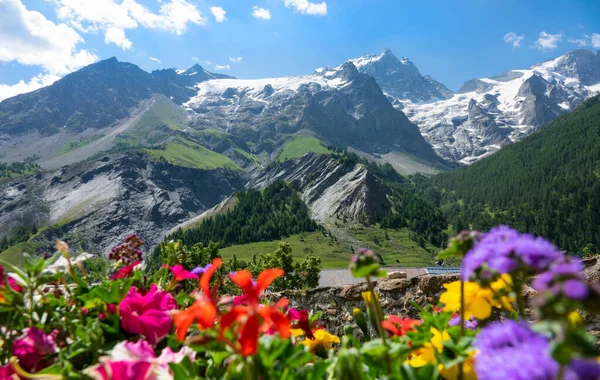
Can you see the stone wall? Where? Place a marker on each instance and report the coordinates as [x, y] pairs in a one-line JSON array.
[[396, 293]]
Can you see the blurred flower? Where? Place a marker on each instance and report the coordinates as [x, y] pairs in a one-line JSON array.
[[180, 274], [301, 319], [323, 340], [126, 271], [62, 247], [478, 300], [7, 372], [125, 355], [120, 370], [427, 354], [505, 250], [147, 314], [453, 373], [34, 349], [200, 270], [129, 251], [253, 318], [566, 278], [11, 282], [582, 369], [470, 323], [511, 350], [240, 300], [365, 263], [399, 326], [204, 310]]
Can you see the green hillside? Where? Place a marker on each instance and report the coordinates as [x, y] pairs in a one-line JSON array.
[[297, 146], [547, 184], [187, 153]]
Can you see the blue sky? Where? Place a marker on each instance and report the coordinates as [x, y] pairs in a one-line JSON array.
[[43, 40]]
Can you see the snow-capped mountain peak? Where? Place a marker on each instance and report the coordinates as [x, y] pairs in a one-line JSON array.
[[487, 113], [400, 79]]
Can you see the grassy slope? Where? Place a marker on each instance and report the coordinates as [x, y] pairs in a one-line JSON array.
[[72, 145], [298, 146], [337, 255], [14, 254], [189, 154]]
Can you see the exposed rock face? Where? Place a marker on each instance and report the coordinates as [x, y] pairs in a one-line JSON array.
[[341, 105], [96, 96], [98, 203], [331, 190]]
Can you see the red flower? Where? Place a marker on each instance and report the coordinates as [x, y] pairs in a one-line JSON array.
[[147, 314], [254, 318], [204, 310], [126, 271], [180, 274], [399, 326]]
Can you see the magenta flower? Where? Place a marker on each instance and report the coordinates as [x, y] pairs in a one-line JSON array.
[[180, 274], [148, 314], [127, 356], [7, 371], [34, 349], [123, 370]]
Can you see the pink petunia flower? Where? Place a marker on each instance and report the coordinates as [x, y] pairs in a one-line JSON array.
[[180, 274], [34, 349], [147, 314], [125, 355], [123, 370]]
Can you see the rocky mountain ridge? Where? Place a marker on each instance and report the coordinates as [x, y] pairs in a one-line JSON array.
[[486, 113]]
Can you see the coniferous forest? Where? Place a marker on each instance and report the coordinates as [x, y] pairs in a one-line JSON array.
[[548, 184], [270, 214]]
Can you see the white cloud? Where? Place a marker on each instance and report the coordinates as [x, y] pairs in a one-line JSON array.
[[117, 36], [111, 16], [596, 40], [155, 59], [547, 41], [235, 59], [583, 41], [195, 59], [307, 8], [222, 67], [514, 39], [38, 81], [261, 13], [219, 13], [28, 38]]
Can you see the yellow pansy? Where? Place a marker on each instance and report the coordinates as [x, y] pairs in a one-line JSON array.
[[426, 354], [468, 370], [297, 332], [323, 339], [478, 300]]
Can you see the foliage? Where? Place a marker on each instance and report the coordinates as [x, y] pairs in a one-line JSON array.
[[271, 214], [19, 235], [17, 169], [62, 323], [547, 184]]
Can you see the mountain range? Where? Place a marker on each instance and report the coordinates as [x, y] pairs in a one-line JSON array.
[[121, 150]]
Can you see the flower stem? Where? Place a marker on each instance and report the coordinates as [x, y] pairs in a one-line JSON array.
[[379, 318], [519, 293], [462, 323]]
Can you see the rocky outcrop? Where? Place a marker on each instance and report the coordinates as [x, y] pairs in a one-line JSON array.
[[331, 190], [96, 204]]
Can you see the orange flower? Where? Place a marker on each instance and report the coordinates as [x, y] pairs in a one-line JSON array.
[[399, 326], [254, 318], [203, 310]]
